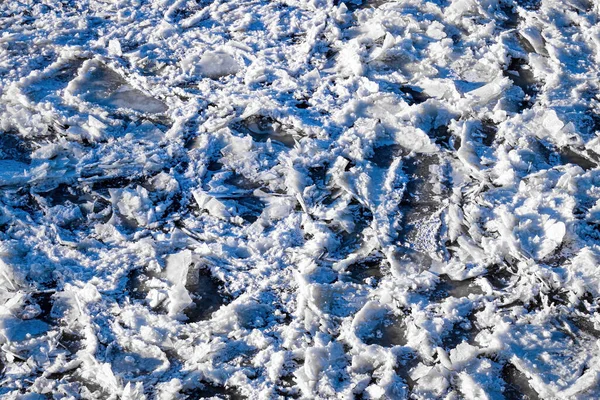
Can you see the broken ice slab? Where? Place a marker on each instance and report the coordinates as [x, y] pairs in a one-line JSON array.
[[211, 64], [217, 64], [13, 173], [133, 207], [52, 82], [99, 84], [351, 5], [488, 93], [263, 128], [17, 330], [532, 38], [540, 235], [176, 272], [212, 205], [247, 206], [480, 133], [237, 194], [354, 5], [537, 350], [177, 266]]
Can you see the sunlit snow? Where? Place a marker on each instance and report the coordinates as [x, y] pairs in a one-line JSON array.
[[299, 199]]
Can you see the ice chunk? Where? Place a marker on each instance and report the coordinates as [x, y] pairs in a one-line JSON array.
[[588, 380], [462, 354], [535, 39], [440, 88], [134, 205], [388, 42], [177, 267], [431, 380], [554, 234], [279, 207], [179, 300], [132, 392], [176, 272], [100, 373], [98, 84], [66, 306], [16, 330], [114, 47], [349, 59], [13, 172], [551, 122], [209, 203], [491, 91], [315, 360], [212, 64], [8, 277], [467, 150]]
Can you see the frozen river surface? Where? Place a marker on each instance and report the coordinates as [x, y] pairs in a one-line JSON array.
[[299, 199]]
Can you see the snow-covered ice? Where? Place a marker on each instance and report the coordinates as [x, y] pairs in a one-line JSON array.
[[313, 199]]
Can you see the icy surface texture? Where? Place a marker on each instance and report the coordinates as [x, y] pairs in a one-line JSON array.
[[299, 199]]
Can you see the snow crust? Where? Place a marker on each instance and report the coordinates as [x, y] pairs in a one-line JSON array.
[[299, 199]]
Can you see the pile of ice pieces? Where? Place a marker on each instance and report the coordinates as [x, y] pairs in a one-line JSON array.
[[299, 199]]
